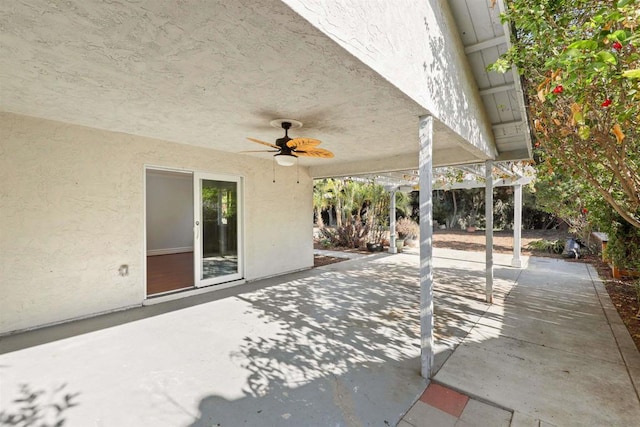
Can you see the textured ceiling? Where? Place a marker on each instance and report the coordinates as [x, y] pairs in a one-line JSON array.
[[206, 73]]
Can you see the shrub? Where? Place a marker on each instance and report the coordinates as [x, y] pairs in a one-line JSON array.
[[624, 246], [407, 228], [551, 246], [348, 235]]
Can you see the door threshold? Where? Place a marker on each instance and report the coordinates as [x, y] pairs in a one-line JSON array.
[[172, 291], [189, 292]]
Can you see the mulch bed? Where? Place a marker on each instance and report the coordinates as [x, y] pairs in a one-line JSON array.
[[320, 260], [623, 296]]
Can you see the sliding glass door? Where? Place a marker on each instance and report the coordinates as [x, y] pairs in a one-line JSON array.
[[217, 229]]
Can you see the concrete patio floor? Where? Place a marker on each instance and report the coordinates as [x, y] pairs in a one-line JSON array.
[[339, 346], [553, 351]]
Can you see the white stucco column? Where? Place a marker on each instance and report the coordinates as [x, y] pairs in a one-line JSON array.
[[488, 212], [392, 223], [426, 245], [517, 226]]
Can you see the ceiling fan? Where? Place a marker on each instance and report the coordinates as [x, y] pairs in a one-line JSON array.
[[288, 149]]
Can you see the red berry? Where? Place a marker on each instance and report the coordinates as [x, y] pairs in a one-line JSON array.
[[584, 210], [617, 45], [537, 144], [558, 89], [606, 103]]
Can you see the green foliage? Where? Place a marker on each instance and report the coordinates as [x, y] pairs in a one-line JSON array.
[[459, 208], [360, 207], [533, 217], [442, 205], [377, 202], [469, 208], [580, 63], [623, 247], [219, 196], [551, 246], [636, 287], [567, 199]]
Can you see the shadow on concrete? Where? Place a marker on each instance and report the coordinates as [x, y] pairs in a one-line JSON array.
[[333, 345], [336, 345], [32, 406], [347, 351], [349, 345], [352, 398], [546, 350]]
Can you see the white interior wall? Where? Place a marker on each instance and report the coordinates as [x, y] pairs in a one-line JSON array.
[[169, 212], [72, 209]]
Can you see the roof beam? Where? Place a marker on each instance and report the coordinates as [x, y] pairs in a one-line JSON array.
[[365, 167], [503, 167], [507, 125], [497, 89], [467, 185], [472, 170], [484, 45], [516, 79], [514, 155]]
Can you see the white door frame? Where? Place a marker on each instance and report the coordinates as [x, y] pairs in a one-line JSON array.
[[198, 177], [145, 169]]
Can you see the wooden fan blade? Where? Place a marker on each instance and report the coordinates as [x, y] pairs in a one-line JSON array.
[[315, 152], [263, 143], [259, 151], [302, 143]]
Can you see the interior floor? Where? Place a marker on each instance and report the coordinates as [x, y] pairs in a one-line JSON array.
[[171, 272]]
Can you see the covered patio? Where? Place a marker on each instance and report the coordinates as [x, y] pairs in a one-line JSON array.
[[101, 100], [340, 345]]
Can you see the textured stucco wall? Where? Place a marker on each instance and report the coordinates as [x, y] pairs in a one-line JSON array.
[[71, 204], [413, 44]]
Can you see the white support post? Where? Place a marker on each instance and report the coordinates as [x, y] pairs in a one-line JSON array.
[[426, 245], [517, 226], [392, 223], [488, 211]]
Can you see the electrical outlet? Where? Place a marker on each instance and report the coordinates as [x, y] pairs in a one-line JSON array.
[[124, 270]]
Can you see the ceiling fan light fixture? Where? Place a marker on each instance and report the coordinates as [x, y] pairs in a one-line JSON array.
[[290, 149], [285, 159]]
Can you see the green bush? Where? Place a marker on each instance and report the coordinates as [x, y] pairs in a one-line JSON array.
[[623, 247], [551, 246]]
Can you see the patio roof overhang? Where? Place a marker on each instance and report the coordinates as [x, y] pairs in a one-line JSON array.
[[505, 174], [485, 39], [213, 76]]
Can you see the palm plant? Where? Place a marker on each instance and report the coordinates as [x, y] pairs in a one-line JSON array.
[[362, 209]]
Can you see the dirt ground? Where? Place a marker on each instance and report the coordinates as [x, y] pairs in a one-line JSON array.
[[621, 292], [502, 240]]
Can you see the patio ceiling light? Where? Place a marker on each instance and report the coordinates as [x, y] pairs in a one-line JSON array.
[[285, 159], [288, 149]]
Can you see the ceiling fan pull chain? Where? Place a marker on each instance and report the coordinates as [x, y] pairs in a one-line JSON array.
[[274, 170], [298, 170]]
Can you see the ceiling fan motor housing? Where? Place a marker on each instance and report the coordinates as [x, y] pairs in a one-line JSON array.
[[282, 142], [288, 148]]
